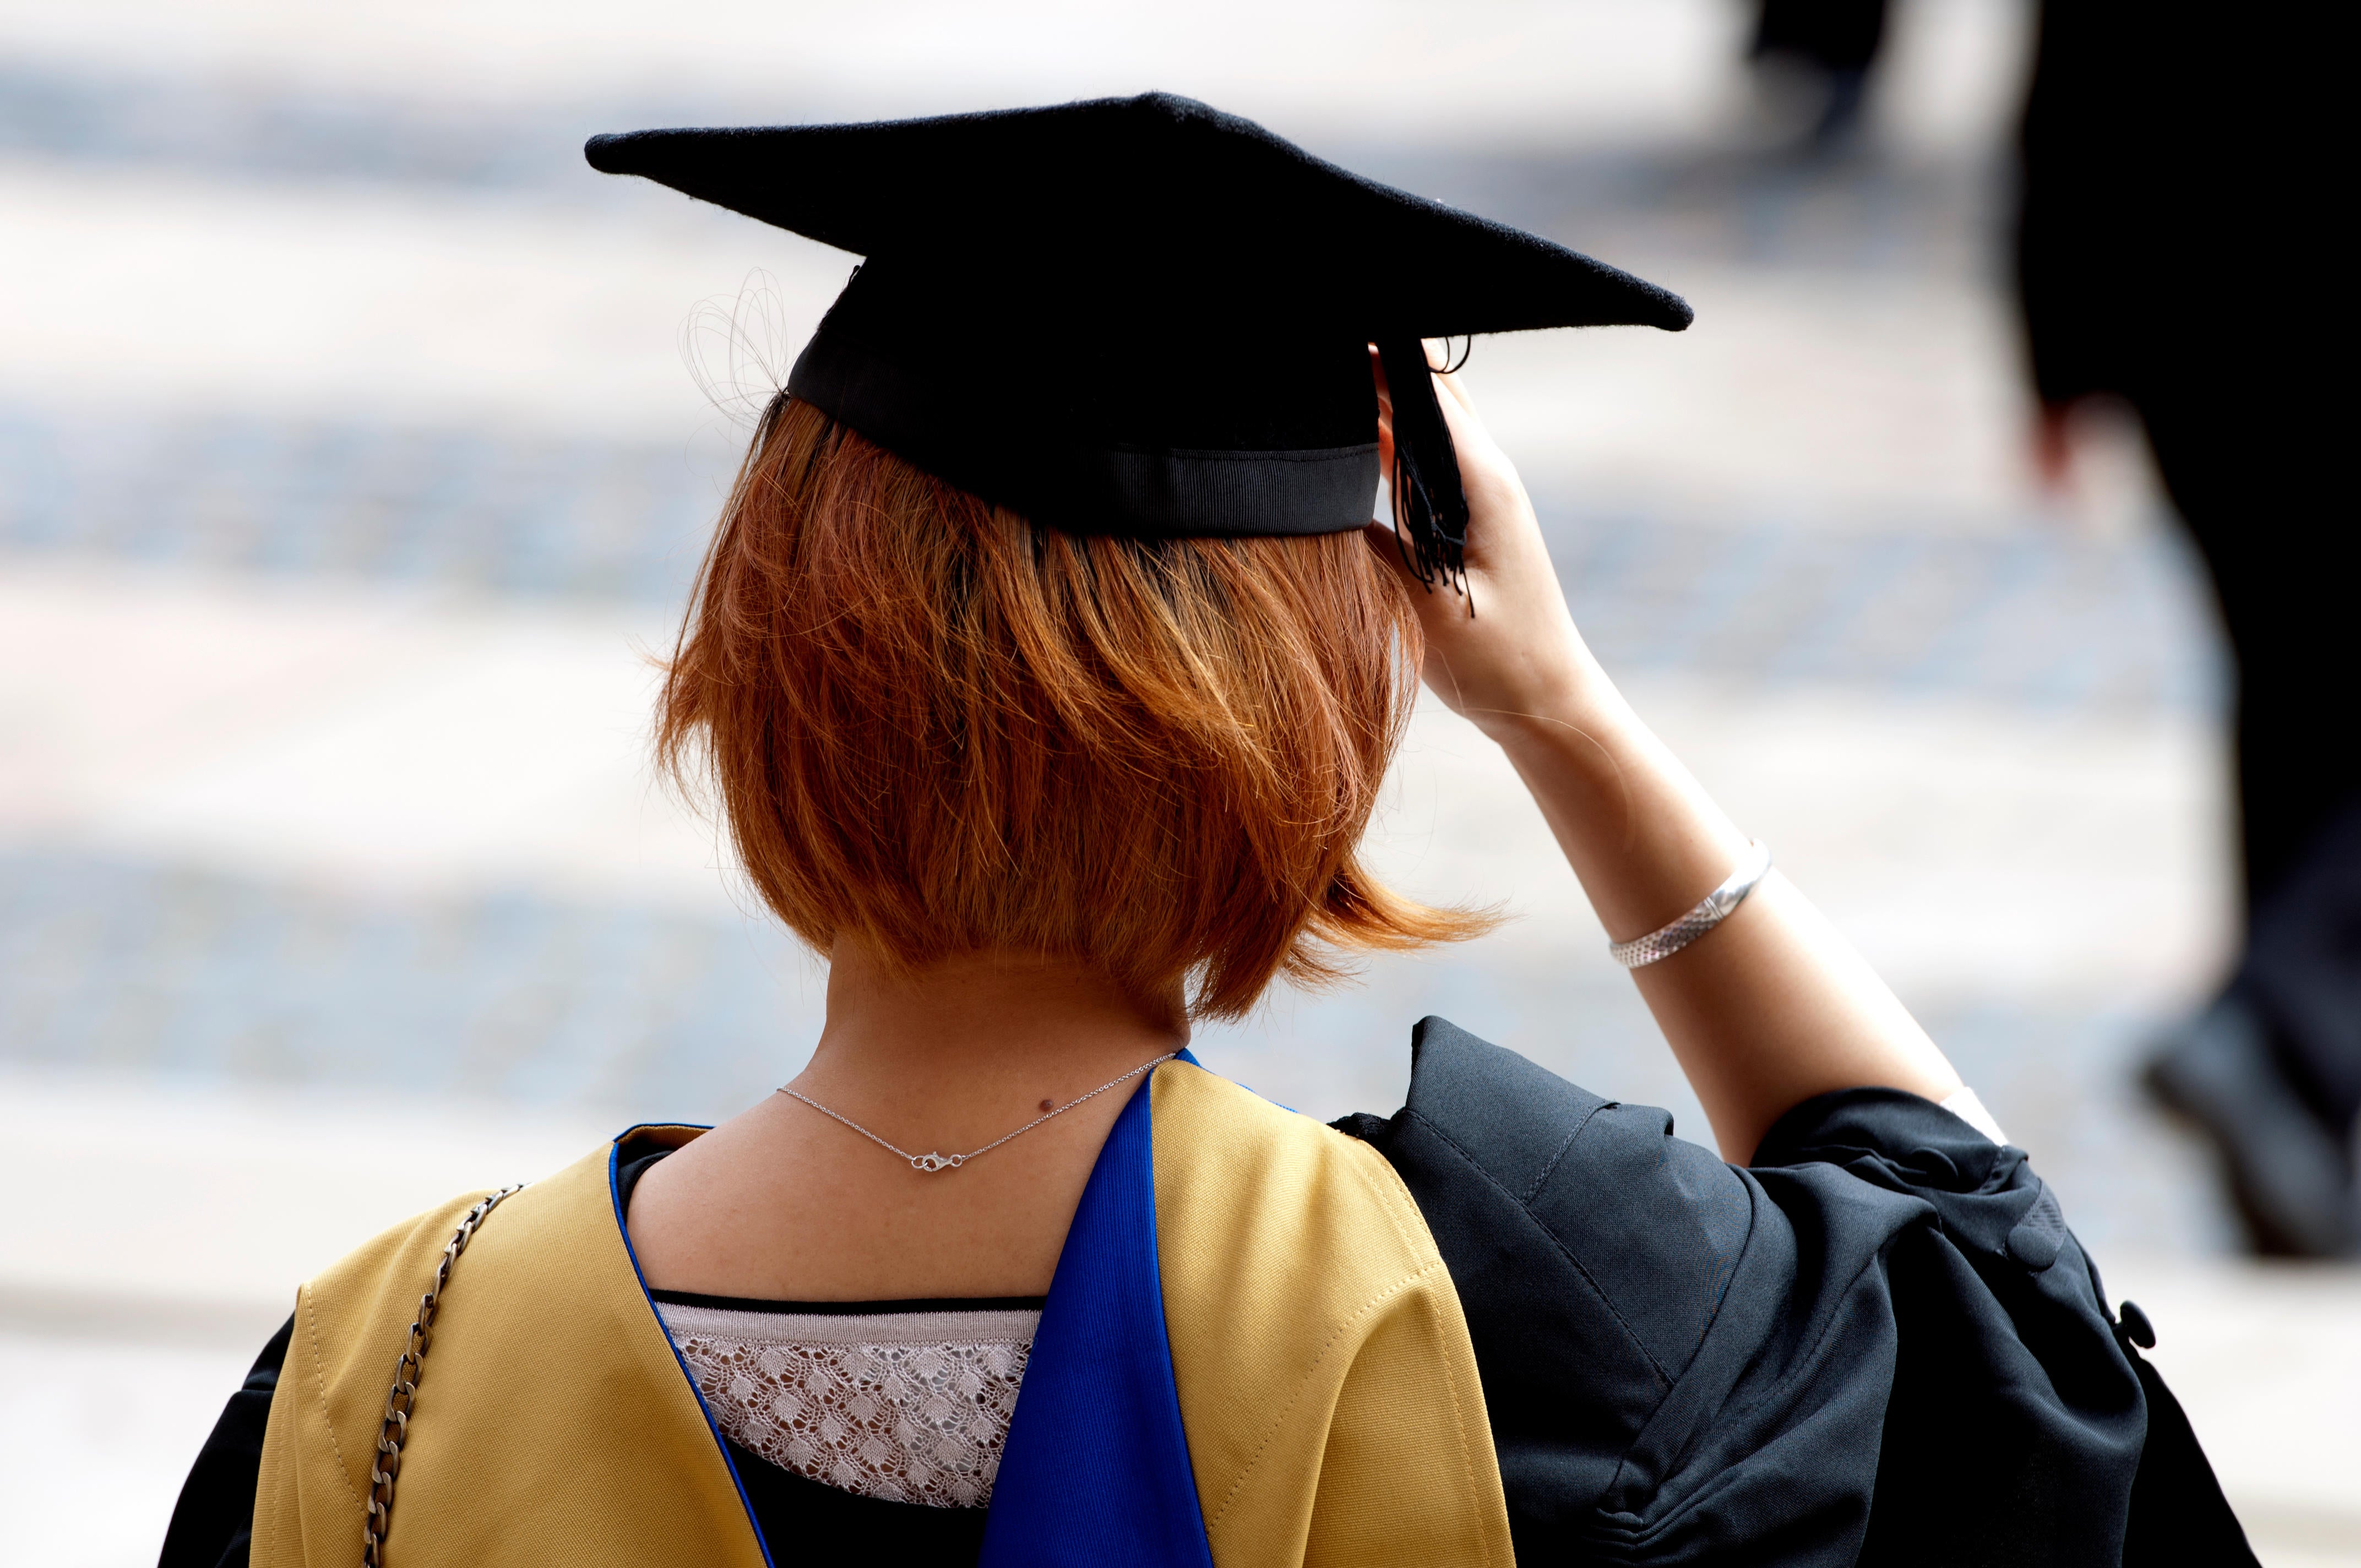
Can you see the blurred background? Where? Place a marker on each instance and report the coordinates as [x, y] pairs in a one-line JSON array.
[[357, 444]]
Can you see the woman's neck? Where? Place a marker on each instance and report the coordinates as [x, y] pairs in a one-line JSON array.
[[979, 1030], [783, 1202]]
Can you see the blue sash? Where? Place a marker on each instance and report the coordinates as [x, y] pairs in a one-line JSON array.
[[1096, 1469]]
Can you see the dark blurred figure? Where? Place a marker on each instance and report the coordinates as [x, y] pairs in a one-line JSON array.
[[1826, 48], [2172, 252]]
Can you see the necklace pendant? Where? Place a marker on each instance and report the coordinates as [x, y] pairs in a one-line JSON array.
[[935, 1161]]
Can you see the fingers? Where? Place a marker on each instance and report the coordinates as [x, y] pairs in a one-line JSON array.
[[1478, 457], [1469, 440], [1438, 355], [1465, 404]]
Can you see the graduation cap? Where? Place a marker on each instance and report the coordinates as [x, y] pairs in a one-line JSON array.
[[1140, 316]]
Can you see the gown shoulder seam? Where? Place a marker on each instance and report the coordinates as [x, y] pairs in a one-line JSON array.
[[319, 1384], [1663, 1377], [1336, 1331]]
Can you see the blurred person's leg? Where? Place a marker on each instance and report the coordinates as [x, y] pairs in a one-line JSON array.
[[1830, 45], [2304, 964], [2271, 1070]]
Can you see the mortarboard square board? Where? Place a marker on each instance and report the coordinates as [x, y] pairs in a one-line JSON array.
[[1139, 316]]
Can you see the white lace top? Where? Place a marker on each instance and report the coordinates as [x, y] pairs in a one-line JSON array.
[[911, 1407]]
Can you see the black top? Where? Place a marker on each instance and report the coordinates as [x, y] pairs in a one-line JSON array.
[[1880, 1345]]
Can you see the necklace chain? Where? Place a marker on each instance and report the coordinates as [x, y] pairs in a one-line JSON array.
[[935, 1161]]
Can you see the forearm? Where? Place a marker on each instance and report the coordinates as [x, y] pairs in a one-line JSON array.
[[1769, 1008], [1772, 1005]]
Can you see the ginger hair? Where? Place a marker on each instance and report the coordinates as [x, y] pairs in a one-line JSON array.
[[937, 728]]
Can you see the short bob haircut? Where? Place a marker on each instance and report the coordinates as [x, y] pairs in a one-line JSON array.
[[934, 728]]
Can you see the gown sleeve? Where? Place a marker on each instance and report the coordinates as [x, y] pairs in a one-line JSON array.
[[213, 1524], [1880, 1345]]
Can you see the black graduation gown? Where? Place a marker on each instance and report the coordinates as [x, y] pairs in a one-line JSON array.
[[1879, 1345]]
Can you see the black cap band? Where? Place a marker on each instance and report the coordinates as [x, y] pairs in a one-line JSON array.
[[978, 439]]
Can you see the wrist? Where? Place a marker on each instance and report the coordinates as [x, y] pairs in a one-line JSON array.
[[1573, 697]]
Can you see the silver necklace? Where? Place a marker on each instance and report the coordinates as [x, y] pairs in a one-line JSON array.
[[938, 1161]]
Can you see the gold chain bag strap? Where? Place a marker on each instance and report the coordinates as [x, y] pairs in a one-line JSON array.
[[386, 1468]]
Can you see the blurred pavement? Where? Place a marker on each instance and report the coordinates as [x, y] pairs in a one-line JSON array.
[[350, 476]]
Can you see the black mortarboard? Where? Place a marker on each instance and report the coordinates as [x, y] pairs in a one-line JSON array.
[[1139, 316]]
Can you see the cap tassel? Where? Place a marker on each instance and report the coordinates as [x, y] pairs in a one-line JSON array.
[[1430, 505]]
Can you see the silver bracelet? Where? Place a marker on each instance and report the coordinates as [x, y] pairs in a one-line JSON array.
[[1663, 942]]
